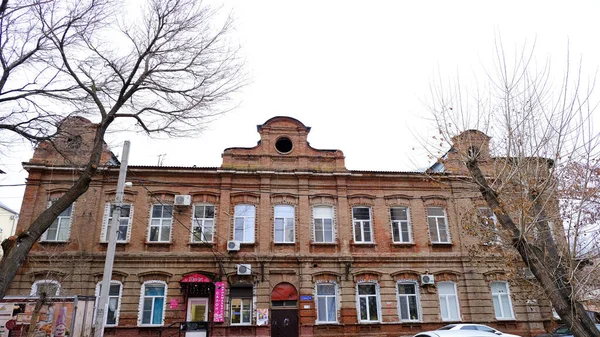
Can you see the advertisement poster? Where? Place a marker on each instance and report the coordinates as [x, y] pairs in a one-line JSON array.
[[262, 316], [53, 321], [219, 307]]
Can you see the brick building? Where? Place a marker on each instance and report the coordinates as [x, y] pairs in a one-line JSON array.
[[280, 226]]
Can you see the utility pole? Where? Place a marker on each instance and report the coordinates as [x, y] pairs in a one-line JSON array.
[[113, 228]]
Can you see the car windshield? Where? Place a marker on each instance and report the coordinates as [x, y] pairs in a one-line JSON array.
[[485, 328], [447, 327]]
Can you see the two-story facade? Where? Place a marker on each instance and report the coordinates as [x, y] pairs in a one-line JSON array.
[[280, 240]]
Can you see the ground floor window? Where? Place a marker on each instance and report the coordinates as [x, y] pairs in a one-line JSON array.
[[448, 301], [114, 302], [241, 305], [408, 301], [501, 299], [326, 303], [368, 302], [152, 306]]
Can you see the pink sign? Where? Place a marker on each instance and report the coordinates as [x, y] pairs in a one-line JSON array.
[[174, 303], [195, 278], [219, 309]]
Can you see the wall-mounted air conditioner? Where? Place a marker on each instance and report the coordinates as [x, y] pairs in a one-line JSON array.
[[427, 279], [244, 269], [183, 200], [233, 245]]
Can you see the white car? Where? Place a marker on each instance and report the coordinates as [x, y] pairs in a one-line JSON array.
[[475, 327], [455, 333]]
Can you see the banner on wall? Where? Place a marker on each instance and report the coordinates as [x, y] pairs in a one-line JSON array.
[[219, 307]]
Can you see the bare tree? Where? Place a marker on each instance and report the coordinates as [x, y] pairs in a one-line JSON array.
[[167, 72], [541, 135]]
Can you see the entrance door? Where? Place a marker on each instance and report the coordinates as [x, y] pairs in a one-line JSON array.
[[197, 311], [284, 323]]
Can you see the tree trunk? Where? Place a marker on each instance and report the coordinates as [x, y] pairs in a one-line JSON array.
[[36, 313], [544, 264]]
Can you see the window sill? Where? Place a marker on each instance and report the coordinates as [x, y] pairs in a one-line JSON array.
[[402, 244], [507, 319], [150, 325], [118, 242], [158, 243], [327, 323], [241, 324], [411, 322], [363, 244], [369, 322], [314, 243], [284, 243], [441, 243]]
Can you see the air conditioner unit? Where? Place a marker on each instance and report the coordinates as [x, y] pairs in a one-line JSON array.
[[427, 279], [233, 245], [244, 269], [183, 200]]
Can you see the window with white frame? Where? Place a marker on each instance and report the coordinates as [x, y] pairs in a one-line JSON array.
[[111, 317], [501, 299], [50, 287], [323, 224], [124, 223], [241, 305], [284, 224], [161, 222], [438, 226], [326, 303], [203, 223], [61, 226], [361, 217], [487, 220], [368, 302], [152, 303], [448, 301], [244, 223], [400, 225], [408, 301]]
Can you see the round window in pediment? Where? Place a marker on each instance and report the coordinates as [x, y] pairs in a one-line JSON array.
[[284, 145]]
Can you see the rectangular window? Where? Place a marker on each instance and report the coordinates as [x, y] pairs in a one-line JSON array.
[[448, 301], [153, 303], [61, 227], [438, 226], [361, 217], [487, 221], [114, 302], [124, 222], [160, 223], [408, 302], [241, 305], [244, 223], [323, 224], [203, 223], [326, 303], [400, 225], [368, 302], [284, 224], [501, 299]]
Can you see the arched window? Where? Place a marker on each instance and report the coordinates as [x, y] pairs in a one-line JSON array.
[[408, 301], [501, 299], [50, 287], [152, 303], [114, 302]]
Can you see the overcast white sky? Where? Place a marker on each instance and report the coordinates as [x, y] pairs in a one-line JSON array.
[[358, 72]]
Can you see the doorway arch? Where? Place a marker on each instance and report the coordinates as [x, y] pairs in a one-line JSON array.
[[284, 310]]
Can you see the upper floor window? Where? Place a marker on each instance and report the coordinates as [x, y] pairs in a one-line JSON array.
[[408, 301], [124, 223], [400, 225], [161, 222], [284, 224], [501, 299], [368, 302], [203, 223], [438, 226], [448, 301], [50, 287], [361, 217], [61, 226], [487, 220], [326, 303], [111, 317], [244, 223], [323, 224], [152, 303]]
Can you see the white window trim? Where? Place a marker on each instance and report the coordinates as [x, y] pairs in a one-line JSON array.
[[459, 319], [161, 220], [437, 225], [118, 311], [418, 297], [337, 302], [34, 287], [362, 229], [202, 223], [244, 227], [44, 237], [141, 304], [500, 295], [377, 294], [399, 222], [285, 224], [106, 219], [333, 231]]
